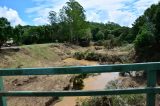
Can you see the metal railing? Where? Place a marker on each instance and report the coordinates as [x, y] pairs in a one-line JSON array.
[[151, 90]]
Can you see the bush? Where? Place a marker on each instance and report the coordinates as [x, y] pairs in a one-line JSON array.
[[90, 56], [93, 56], [78, 83], [99, 36], [115, 42], [79, 55]]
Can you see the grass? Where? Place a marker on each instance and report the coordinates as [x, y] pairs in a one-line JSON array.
[[29, 56]]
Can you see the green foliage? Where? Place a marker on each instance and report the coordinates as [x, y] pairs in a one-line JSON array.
[[78, 83], [137, 26], [68, 25], [84, 37], [75, 18], [110, 36], [71, 23], [90, 56], [112, 26], [18, 33], [101, 57], [85, 34], [144, 39], [6, 31], [79, 55], [99, 36], [109, 31], [113, 42], [146, 30]]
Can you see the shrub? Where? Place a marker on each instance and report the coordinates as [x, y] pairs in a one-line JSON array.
[[78, 83], [92, 56], [100, 36], [114, 42], [79, 55]]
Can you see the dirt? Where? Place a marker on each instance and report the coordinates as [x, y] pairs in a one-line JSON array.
[[40, 83], [79, 62]]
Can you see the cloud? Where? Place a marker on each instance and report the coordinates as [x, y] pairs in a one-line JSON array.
[[40, 21], [11, 15], [142, 5], [123, 12], [42, 9]]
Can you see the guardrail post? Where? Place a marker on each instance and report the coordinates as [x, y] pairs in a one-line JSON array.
[[2, 99], [151, 82]]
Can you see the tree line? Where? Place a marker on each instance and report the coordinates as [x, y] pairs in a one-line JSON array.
[[70, 25]]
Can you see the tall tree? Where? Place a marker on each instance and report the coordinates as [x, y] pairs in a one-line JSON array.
[[70, 23], [75, 17]]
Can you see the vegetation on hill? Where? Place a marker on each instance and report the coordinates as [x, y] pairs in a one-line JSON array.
[[68, 25]]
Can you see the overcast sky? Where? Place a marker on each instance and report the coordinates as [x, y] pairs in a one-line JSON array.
[[35, 12]]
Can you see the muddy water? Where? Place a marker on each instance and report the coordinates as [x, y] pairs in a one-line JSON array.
[[92, 83], [99, 82]]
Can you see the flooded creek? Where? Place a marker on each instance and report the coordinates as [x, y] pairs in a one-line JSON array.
[[97, 82]]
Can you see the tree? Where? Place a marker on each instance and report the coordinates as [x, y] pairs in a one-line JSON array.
[[69, 23], [75, 17], [53, 17], [146, 38], [147, 30], [18, 33], [5, 31], [84, 37]]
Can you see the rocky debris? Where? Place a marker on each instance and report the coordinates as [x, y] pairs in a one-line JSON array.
[[52, 101], [24, 81]]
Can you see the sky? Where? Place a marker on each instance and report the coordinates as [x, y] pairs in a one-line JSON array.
[[35, 12]]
